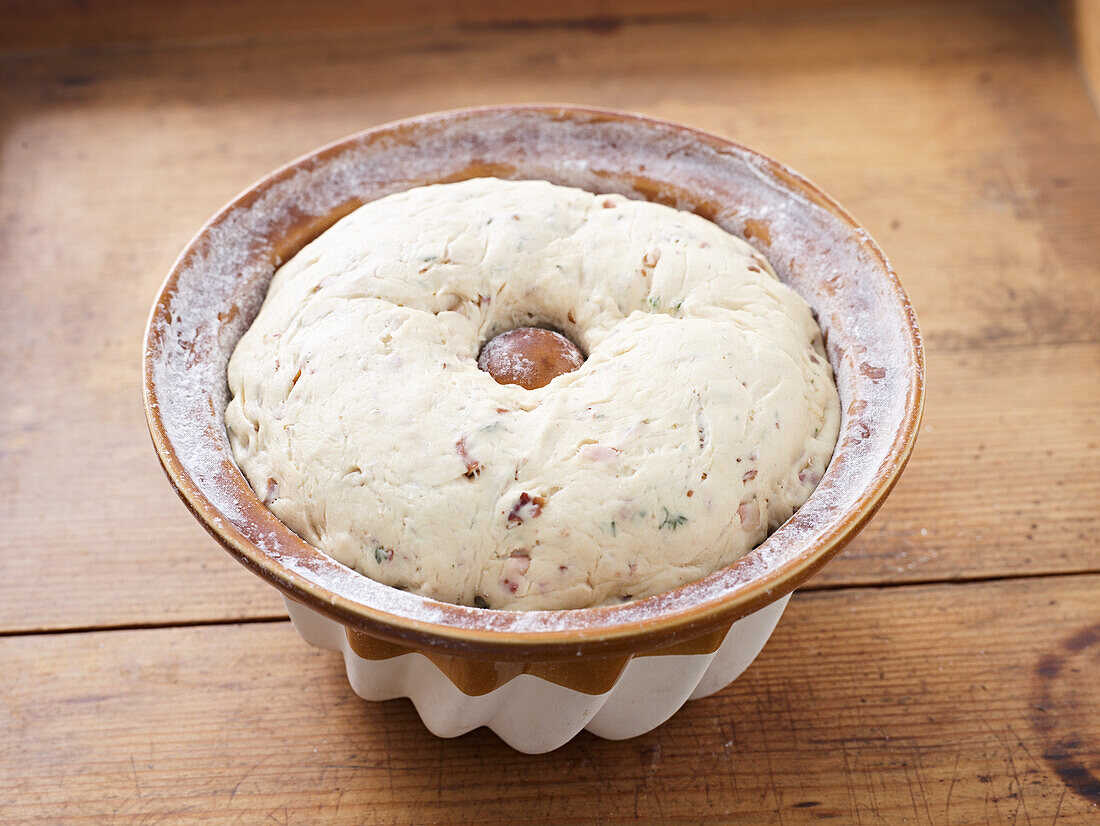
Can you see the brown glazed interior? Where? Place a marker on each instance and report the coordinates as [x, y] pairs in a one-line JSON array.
[[216, 287]]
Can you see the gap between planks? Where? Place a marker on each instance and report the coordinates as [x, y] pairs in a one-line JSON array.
[[803, 591]]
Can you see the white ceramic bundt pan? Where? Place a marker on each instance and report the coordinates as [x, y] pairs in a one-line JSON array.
[[537, 678], [534, 715]]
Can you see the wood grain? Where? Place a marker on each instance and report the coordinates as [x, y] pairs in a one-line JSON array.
[[109, 161], [1003, 478], [963, 139], [1032, 455], [924, 704], [961, 135], [31, 24]]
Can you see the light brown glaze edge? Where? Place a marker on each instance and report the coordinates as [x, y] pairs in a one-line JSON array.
[[477, 677]]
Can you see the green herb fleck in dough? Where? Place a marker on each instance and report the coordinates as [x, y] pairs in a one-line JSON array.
[[382, 554], [673, 522]]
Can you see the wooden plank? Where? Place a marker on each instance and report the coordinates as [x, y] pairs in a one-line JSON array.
[[965, 140], [58, 23], [962, 138], [994, 489], [1003, 479], [926, 704]]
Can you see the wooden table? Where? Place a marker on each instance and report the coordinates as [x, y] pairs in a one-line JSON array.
[[944, 669]]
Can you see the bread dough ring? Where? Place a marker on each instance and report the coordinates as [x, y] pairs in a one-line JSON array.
[[703, 417]]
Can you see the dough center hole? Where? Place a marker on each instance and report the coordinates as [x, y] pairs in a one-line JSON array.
[[531, 357]]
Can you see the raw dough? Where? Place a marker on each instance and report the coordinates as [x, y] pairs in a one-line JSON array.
[[703, 417]]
